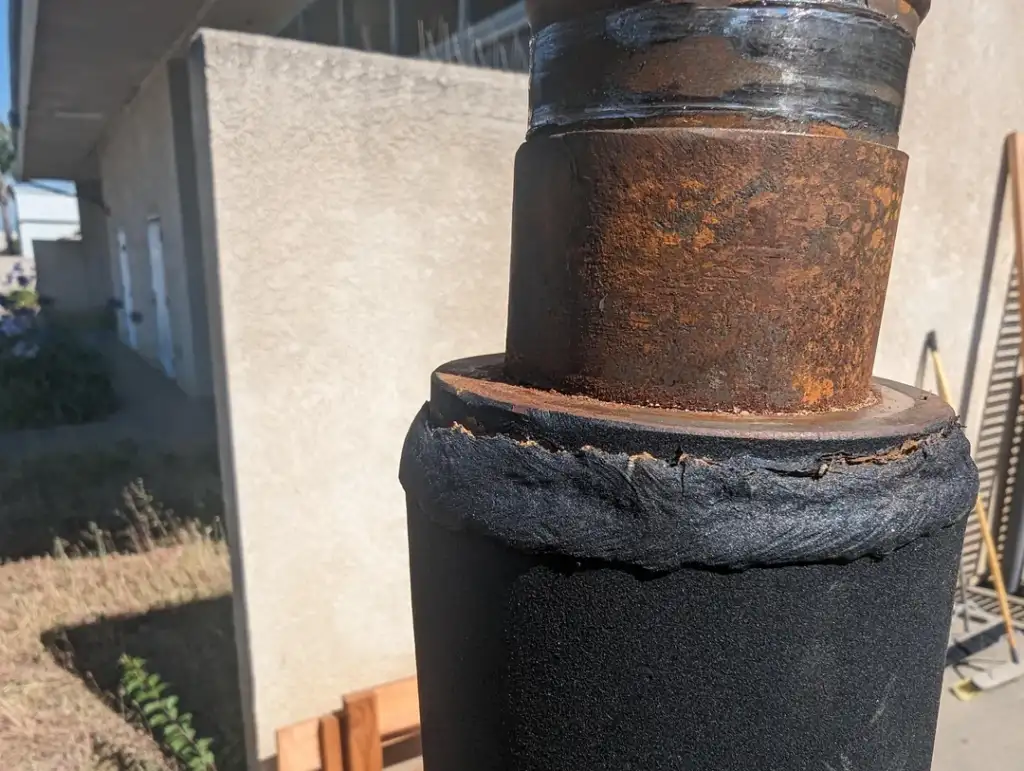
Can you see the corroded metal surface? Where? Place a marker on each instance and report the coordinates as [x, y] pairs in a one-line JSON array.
[[702, 269], [899, 411], [707, 201]]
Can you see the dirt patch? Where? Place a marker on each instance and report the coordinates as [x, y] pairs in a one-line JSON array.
[[65, 622]]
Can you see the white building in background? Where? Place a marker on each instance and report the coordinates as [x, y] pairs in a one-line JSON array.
[[44, 215]]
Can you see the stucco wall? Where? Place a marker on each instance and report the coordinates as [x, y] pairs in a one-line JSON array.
[[64, 275], [95, 241], [137, 165], [388, 185], [956, 120], [955, 249]]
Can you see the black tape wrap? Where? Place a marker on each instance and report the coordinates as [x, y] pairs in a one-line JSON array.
[[660, 515]]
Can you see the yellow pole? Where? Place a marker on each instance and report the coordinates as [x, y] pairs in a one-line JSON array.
[[983, 522]]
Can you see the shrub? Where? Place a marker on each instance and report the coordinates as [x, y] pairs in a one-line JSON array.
[[21, 299], [48, 377]]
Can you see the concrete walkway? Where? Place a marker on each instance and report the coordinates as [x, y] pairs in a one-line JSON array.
[[986, 734]]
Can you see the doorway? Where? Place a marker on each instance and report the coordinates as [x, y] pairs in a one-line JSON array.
[[164, 333], [127, 298]]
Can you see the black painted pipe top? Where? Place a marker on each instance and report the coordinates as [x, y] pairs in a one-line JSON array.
[[906, 13]]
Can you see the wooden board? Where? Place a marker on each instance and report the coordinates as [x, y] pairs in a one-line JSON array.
[[362, 744], [331, 754], [298, 747], [398, 707], [354, 738]]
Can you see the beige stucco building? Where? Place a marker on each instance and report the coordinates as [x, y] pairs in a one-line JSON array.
[[101, 97]]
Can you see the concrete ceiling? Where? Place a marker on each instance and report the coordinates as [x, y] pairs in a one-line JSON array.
[[89, 59]]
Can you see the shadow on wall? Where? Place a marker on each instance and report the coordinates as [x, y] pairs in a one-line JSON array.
[[191, 647], [998, 449], [1001, 421]]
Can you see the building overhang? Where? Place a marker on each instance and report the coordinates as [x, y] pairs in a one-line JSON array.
[[76, 66]]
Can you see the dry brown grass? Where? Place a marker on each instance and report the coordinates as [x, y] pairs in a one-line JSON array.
[[66, 495], [55, 718], [126, 575]]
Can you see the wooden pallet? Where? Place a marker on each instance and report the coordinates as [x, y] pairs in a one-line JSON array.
[[355, 737]]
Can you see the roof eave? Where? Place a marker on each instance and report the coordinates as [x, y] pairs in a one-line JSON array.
[[24, 14]]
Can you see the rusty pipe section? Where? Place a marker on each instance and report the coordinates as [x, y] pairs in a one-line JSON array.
[[707, 202]]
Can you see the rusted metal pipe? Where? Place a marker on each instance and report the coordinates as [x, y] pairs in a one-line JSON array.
[[706, 206], [677, 525]]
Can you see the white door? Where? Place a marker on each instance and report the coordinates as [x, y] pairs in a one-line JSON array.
[[127, 299], [164, 335]]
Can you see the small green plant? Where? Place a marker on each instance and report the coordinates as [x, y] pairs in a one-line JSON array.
[[145, 694], [22, 299]]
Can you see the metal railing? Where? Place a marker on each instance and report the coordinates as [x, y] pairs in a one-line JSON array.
[[501, 41]]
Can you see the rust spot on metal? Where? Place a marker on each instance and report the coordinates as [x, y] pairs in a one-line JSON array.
[[825, 130], [815, 390], [752, 280], [704, 237], [722, 69]]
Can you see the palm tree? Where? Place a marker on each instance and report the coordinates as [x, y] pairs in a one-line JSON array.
[[6, 190]]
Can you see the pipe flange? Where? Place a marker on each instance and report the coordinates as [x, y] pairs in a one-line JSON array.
[[548, 474]]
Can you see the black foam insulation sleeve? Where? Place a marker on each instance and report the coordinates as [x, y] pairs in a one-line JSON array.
[[602, 609]]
